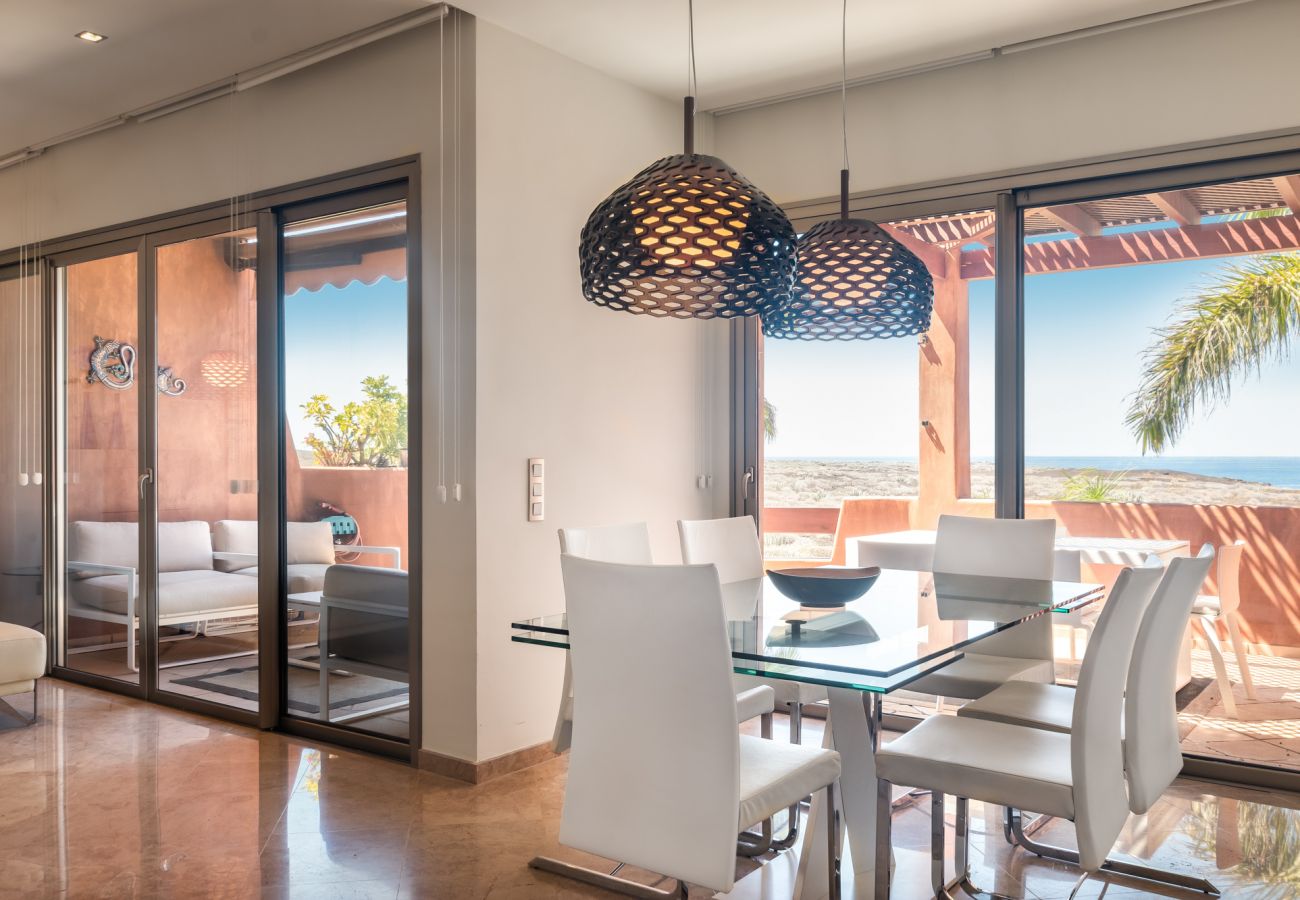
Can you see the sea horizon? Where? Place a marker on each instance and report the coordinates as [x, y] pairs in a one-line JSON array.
[[1281, 471]]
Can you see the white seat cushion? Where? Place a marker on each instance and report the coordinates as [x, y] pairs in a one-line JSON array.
[[1207, 605], [300, 577], [775, 775], [753, 703], [179, 593], [977, 674], [785, 691], [22, 658], [988, 761], [1047, 706]]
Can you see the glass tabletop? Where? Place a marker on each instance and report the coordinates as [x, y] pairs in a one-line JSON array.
[[908, 625]]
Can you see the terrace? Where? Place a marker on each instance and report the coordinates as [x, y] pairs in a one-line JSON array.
[[813, 508]]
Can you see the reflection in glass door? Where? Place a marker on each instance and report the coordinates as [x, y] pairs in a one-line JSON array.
[[22, 464], [103, 604], [345, 338], [205, 471]]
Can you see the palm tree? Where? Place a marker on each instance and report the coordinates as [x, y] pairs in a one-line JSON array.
[[1242, 320], [769, 421]]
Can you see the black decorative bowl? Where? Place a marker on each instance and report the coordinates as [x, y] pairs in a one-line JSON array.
[[824, 586]]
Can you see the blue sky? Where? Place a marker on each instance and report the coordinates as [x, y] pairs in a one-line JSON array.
[[1085, 333], [336, 336]]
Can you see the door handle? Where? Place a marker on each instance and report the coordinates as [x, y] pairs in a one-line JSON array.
[[747, 481], [145, 476]]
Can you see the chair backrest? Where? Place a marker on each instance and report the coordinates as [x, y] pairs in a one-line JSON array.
[[1096, 739], [1067, 565], [609, 543], [369, 637], [730, 544], [1015, 548], [1151, 752], [655, 730], [1228, 576]]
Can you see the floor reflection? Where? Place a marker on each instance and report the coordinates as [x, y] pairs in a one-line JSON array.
[[111, 797]]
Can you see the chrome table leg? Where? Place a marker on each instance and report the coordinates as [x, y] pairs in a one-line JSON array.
[[608, 880]]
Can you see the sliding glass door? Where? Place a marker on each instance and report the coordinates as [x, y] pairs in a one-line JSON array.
[[347, 500], [100, 495], [22, 447], [205, 479]]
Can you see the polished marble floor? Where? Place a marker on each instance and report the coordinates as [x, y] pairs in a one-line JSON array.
[[107, 797]]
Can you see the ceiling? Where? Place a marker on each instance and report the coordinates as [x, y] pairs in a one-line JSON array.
[[52, 83], [746, 50], [749, 50]]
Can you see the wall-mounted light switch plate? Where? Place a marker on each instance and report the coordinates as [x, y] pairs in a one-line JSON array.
[[536, 497]]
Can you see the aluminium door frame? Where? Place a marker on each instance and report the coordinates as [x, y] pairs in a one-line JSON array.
[[404, 187]]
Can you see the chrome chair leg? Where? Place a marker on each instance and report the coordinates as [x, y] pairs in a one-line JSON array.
[[961, 854], [832, 843], [749, 844], [1016, 835]]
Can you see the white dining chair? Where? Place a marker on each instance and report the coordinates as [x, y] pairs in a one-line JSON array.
[[733, 546], [1210, 609], [1077, 776], [1012, 548], [634, 767], [630, 544], [1152, 758]]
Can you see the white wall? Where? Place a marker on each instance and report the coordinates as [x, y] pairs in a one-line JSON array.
[[613, 402], [375, 104], [1207, 76]]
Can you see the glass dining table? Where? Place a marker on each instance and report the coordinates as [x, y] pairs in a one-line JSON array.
[[908, 625]]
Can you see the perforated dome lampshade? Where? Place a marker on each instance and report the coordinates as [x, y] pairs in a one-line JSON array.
[[690, 238], [854, 281]]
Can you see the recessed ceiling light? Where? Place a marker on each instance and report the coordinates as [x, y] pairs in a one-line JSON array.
[[91, 37]]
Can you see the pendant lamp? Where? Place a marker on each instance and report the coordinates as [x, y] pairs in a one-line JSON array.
[[853, 280], [688, 237]]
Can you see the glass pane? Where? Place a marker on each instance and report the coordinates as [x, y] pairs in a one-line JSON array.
[[345, 387], [101, 516], [22, 478], [875, 436], [206, 470], [1159, 380]]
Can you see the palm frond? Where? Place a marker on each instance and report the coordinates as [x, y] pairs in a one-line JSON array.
[[1242, 320]]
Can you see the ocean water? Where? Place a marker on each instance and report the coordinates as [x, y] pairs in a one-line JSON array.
[[1281, 471]]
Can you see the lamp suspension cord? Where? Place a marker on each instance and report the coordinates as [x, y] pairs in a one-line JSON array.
[[692, 80], [844, 110]]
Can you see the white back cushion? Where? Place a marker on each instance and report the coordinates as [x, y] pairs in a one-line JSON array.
[[730, 544], [182, 546], [106, 543], [309, 542], [235, 536]]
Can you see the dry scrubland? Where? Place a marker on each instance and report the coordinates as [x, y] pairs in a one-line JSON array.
[[806, 482]]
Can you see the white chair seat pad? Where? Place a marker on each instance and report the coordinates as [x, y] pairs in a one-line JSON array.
[[300, 577], [1206, 605], [753, 703], [786, 691], [775, 775], [1046, 706], [977, 674], [988, 761], [22, 658], [179, 593]]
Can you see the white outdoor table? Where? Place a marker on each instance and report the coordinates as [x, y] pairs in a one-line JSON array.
[[915, 550]]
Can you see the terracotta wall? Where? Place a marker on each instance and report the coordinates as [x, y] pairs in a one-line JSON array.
[[207, 451]]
